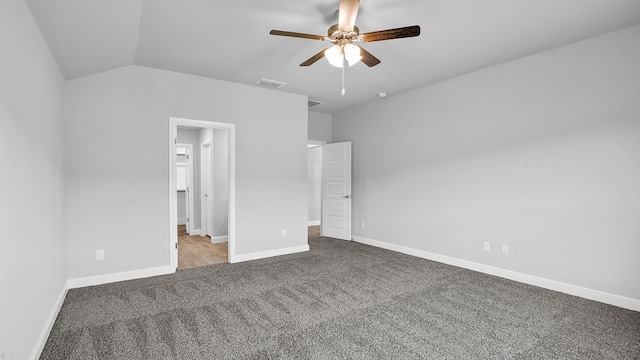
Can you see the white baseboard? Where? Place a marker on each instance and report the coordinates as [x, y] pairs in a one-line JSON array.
[[219, 239], [44, 334], [596, 295], [314, 223], [195, 232], [121, 276], [269, 253]]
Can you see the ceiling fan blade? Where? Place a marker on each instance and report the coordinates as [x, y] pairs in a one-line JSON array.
[[297, 35], [367, 58], [347, 14], [314, 58], [404, 32]]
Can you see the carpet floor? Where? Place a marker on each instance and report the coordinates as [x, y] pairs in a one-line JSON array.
[[340, 300]]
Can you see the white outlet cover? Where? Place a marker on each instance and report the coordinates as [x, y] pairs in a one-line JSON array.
[[99, 254], [486, 246], [284, 233], [505, 250]]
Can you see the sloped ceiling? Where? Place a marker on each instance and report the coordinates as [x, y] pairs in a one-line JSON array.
[[229, 40]]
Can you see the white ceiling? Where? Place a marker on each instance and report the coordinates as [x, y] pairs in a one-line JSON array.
[[230, 40]]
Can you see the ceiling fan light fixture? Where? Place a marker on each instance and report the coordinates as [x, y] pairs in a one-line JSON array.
[[352, 54], [334, 55]]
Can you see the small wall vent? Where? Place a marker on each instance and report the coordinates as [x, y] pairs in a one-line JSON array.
[[270, 84], [312, 103]]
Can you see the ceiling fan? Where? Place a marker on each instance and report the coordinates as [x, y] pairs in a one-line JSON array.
[[343, 34]]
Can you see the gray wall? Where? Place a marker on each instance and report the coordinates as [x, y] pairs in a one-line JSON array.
[[126, 111], [204, 136], [320, 127], [541, 154], [32, 275], [220, 177]]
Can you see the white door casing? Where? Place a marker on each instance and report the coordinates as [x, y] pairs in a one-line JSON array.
[[187, 203], [336, 190]]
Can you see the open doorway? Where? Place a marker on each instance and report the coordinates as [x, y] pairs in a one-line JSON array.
[[184, 187], [209, 225], [314, 188], [195, 249]]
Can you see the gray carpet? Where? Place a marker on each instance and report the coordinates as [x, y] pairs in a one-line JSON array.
[[341, 300]]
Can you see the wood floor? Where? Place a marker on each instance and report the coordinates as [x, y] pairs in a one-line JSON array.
[[314, 231], [196, 251]]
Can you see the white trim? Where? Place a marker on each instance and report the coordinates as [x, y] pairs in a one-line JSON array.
[[48, 325], [173, 215], [313, 223], [232, 195], [596, 295], [196, 232], [121, 276], [219, 239], [270, 253], [173, 196]]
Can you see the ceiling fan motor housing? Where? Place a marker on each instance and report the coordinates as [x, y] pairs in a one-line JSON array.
[[335, 34]]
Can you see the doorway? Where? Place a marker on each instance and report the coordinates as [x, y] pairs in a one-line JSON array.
[[184, 187], [226, 131], [314, 187]]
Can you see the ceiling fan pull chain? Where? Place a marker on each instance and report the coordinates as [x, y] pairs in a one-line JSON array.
[[343, 66]]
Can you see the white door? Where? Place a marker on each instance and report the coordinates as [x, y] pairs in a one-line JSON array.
[[208, 200], [336, 190]]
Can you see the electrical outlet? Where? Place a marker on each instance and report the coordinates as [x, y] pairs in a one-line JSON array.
[[486, 246], [505, 249], [99, 256], [362, 225], [284, 233]]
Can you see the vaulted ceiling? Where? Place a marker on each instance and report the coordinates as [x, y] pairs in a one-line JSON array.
[[229, 40]]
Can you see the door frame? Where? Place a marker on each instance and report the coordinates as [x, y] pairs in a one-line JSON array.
[[173, 209]]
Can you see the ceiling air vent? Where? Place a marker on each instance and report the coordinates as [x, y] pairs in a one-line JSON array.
[[270, 84], [312, 103]]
